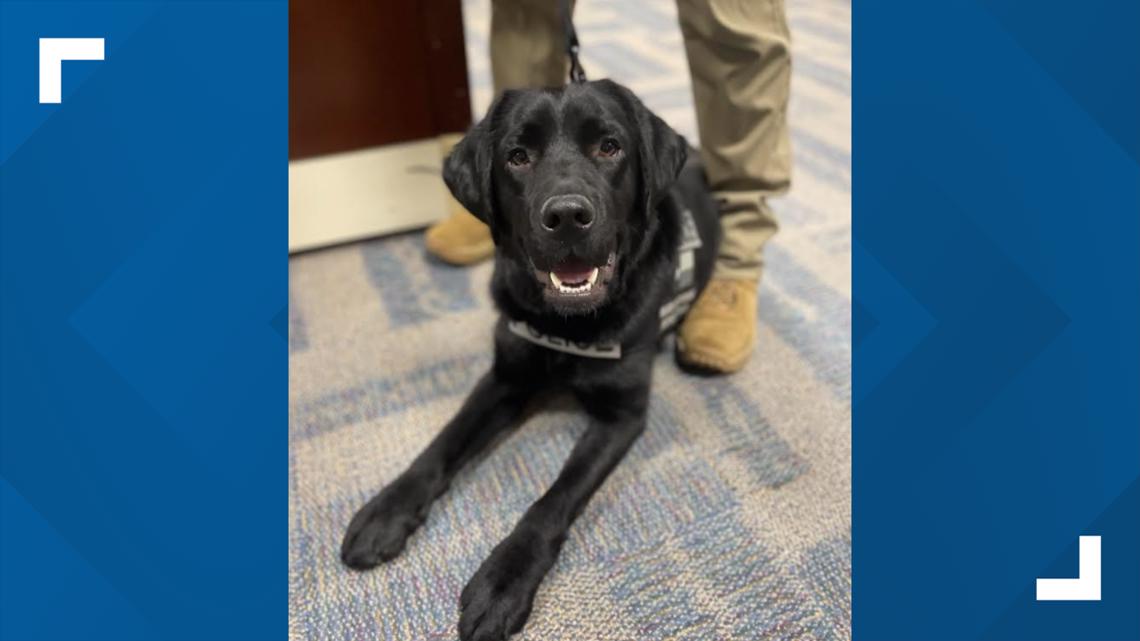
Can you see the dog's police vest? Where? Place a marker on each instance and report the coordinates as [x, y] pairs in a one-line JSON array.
[[684, 293]]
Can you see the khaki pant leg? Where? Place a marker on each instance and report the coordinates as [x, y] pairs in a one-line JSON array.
[[740, 63], [528, 44]]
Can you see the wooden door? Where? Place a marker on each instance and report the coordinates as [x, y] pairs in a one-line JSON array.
[[370, 72]]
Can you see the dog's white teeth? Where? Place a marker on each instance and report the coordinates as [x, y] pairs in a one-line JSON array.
[[575, 289]]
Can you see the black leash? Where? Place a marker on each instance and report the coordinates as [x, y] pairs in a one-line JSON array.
[[577, 74]]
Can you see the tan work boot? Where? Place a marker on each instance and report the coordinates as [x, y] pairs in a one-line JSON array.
[[720, 330], [461, 238]]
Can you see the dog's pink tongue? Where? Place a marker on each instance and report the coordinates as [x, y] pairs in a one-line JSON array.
[[573, 272]]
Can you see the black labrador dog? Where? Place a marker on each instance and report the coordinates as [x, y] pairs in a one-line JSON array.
[[604, 234]]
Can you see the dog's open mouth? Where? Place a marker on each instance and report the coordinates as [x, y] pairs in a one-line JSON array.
[[573, 279], [575, 282]]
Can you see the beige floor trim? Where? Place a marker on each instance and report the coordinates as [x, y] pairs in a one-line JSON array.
[[358, 194]]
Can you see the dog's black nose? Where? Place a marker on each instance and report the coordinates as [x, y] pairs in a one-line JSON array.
[[564, 214]]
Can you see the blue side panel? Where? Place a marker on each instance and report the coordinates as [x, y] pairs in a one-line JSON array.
[[997, 315], [144, 282]]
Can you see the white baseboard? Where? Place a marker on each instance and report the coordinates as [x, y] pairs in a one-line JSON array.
[[370, 192]]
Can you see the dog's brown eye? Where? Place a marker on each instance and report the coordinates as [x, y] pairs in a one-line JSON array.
[[518, 158], [609, 147]]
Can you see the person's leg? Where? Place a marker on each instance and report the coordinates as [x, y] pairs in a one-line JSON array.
[[527, 50], [740, 63], [528, 46]]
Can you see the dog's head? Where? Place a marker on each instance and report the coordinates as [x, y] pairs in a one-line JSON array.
[[568, 180]]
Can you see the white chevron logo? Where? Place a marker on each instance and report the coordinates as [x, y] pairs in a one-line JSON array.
[[53, 51], [1086, 587]]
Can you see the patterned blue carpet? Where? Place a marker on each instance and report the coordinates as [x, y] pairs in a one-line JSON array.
[[730, 519]]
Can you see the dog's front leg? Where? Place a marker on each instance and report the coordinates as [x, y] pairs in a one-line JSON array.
[[497, 600], [379, 529]]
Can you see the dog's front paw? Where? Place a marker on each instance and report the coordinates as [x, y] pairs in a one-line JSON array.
[[378, 531], [497, 600]]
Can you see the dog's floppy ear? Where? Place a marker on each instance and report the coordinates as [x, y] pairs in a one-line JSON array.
[[661, 151], [467, 170]]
